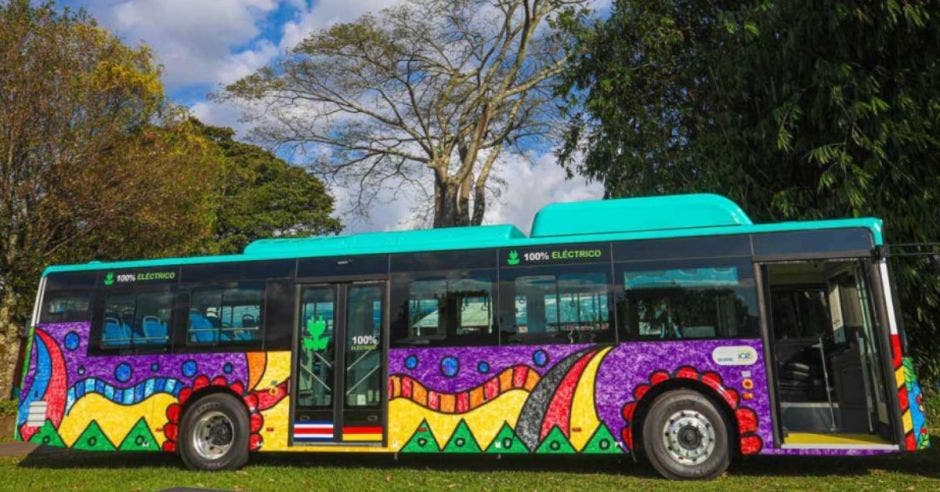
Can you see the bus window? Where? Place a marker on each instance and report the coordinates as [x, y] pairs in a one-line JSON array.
[[136, 320], [220, 315], [571, 307], [453, 310], [688, 303], [225, 315], [61, 307]]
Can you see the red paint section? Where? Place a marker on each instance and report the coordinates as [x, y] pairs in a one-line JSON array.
[[356, 430], [559, 410], [58, 381]]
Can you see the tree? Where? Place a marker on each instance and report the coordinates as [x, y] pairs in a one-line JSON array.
[[796, 110], [264, 196], [93, 163], [437, 87]]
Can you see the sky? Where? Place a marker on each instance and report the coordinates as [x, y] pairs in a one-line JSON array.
[[205, 44]]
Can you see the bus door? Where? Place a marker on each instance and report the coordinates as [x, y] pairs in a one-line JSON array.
[[828, 351], [339, 360]]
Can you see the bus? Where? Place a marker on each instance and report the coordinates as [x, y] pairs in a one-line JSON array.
[[668, 327]]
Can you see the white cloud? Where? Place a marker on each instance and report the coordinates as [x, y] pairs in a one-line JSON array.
[[324, 13], [532, 185], [201, 42]]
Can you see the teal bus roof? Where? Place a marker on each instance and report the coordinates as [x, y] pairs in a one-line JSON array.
[[601, 220]]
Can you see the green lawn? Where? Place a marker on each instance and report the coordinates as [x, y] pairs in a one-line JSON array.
[[53, 469]]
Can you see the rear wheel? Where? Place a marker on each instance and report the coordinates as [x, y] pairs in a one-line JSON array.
[[214, 434], [686, 437]]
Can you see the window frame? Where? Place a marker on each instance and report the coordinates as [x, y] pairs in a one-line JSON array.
[[399, 322], [184, 344], [95, 343], [507, 306], [89, 311], [745, 270]]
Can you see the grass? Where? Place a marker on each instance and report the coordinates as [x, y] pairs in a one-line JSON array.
[[55, 469]]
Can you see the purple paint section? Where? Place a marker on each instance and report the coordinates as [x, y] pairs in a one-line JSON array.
[[630, 365], [429, 366], [80, 366]]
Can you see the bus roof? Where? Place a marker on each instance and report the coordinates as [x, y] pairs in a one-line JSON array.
[[622, 219]]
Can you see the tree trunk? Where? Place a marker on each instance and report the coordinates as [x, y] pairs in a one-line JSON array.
[[9, 343], [479, 204], [447, 205]]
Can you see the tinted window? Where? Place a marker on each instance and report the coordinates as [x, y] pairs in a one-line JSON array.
[[136, 320], [352, 265], [448, 309], [557, 305], [225, 315], [687, 247], [444, 260], [220, 272], [827, 242], [686, 300], [60, 307]]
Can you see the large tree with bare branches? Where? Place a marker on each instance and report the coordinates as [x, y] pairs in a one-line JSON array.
[[427, 89]]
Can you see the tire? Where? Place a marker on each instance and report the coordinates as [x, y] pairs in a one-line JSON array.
[[214, 434], [685, 437]]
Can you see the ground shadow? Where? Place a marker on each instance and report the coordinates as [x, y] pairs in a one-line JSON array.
[[920, 464]]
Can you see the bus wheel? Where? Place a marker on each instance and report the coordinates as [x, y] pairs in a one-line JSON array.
[[685, 437], [214, 434]]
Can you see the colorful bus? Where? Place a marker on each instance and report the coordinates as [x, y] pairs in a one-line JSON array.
[[671, 327]]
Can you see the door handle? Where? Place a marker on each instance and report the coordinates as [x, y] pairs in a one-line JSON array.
[[372, 418]]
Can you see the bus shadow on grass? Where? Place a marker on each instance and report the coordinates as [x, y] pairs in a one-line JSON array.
[[922, 464]]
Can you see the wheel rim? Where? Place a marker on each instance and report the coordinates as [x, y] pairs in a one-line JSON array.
[[689, 437], [213, 435]]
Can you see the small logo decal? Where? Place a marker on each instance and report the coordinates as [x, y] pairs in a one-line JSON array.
[[735, 355], [513, 259]]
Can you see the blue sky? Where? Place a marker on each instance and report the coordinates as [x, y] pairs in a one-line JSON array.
[[205, 44]]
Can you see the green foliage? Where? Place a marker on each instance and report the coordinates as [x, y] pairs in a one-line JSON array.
[[796, 110], [8, 407], [264, 196]]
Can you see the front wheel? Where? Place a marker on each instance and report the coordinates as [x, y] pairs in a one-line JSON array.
[[214, 434], [685, 437]]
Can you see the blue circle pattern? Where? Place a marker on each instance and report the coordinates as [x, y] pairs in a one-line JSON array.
[[123, 372], [450, 366], [71, 340], [411, 362], [189, 368], [483, 367], [154, 367], [540, 358], [227, 368]]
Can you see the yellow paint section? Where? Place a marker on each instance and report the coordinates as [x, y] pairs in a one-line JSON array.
[[899, 376], [276, 418], [583, 414], [820, 438], [115, 420], [404, 416], [363, 438], [278, 369], [908, 421]]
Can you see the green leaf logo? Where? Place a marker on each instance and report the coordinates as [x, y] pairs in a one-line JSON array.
[[109, 278], [316, 340], [513, 258]]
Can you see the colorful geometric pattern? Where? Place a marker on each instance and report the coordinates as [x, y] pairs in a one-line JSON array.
[[509, 399], [910, 398]]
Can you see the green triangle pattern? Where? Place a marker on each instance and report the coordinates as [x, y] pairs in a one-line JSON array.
[[602, 442], [555, 443], [47, 435], [507, 442], [93, 439], [422, 441], [462, 440], [139, 438]]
